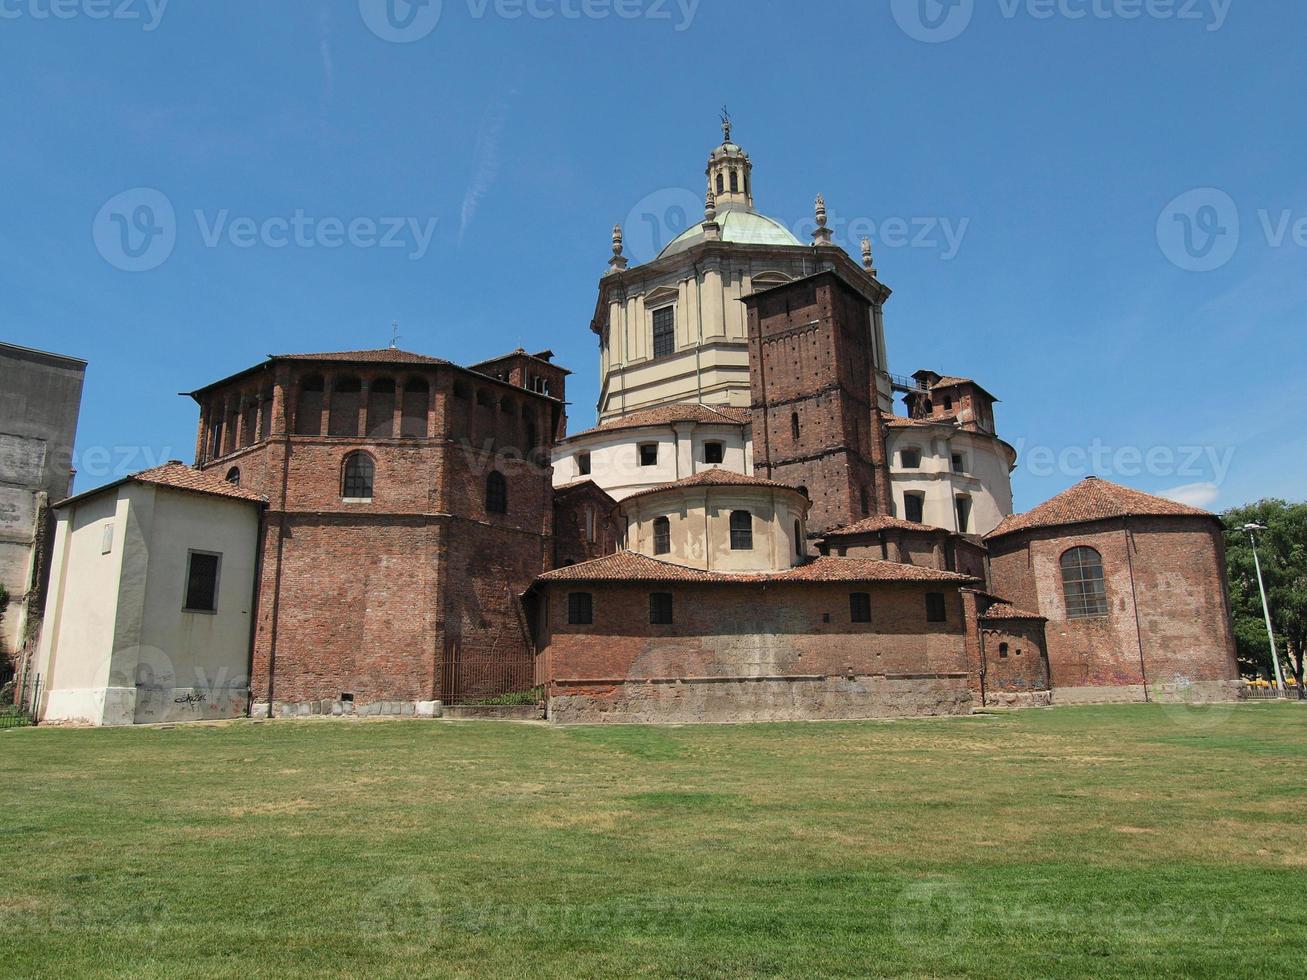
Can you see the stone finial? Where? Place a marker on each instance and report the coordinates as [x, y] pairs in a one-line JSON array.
[[712, 231], [618, 262], [710, 206], [822, 235], [868, 262]]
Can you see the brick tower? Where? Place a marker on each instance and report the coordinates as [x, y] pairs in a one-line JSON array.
[[816, 395]]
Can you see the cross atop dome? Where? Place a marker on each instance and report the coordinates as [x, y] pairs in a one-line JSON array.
[[730, 172]]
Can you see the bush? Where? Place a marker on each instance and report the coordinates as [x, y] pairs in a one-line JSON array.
[[534, 696]]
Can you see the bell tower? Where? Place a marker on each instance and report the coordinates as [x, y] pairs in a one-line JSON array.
[[730, 172]]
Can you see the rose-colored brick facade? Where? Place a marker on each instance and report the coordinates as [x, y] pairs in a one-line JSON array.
[[1167, 624], [365, 597], [816, 414], [753, 651]]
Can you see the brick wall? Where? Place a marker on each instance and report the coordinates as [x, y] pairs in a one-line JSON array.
[[752, 652], [810, 360], [1183, 622], [365, 598]]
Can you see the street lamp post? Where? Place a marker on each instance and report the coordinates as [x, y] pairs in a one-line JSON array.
[[1251, 530]]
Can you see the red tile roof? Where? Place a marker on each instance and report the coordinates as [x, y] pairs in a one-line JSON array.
[[670, 414], [627, 566], [899, 422], [881, 522], [714, 477], [179, 476], [387, 355], [1005, 610], [1094, 499]]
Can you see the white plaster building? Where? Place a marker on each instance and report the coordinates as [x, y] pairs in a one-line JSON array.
[[674, 330], [151, 601], [720, 521]]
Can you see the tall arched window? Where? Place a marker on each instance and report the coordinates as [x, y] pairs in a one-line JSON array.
[[308, 406], [234, 476], [735, 182], [662, 534], [1083, 585], [359, 475], [496, 493], [721, 183], [346, 396], [741, 530]]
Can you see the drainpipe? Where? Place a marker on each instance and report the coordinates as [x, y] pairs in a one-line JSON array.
[[1134, 600]]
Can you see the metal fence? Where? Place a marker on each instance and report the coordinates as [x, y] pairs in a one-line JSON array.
[[1291, 692], [22, 713], [478, 679]]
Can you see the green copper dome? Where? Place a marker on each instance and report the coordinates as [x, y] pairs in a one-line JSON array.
[[740, 226]]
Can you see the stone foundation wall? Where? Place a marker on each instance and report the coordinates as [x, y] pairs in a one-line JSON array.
[[762, 699]]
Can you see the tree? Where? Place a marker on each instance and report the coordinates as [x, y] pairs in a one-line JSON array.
[[1282, 548]]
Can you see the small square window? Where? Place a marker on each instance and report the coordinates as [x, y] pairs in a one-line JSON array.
[[910, 459], [660, 608], [649, 454], [580, 609], [583, 463], [860, 607], [202, 582], [936, 611], [959, 463], [713, 452]]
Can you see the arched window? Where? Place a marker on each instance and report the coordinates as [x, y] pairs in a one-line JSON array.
[[413, 420], [1083, 585], [381, 409], [735, 182], [496, 493], [359, 475], [662, 534], [234, 476], [721, 183], [741, 530]]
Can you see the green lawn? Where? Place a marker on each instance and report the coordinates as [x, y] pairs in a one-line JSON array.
[[1124, 841]]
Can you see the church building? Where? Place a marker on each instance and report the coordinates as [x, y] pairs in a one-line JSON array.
[[748, 532]]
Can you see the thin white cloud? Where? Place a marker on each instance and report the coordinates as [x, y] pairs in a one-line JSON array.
[[324, 50], [1202, 495], [485, 163]]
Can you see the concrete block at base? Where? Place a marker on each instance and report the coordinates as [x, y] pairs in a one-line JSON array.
[[727, 700]]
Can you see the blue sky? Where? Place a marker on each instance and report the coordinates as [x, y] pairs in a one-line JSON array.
[[1027, 170]]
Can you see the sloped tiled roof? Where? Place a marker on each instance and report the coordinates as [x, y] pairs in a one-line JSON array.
[[387, 355], [882, 522], [1005, 610], [627, 566], [1094, 499], [670, 414], [899, 422], [179, 476], [714, 477]]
